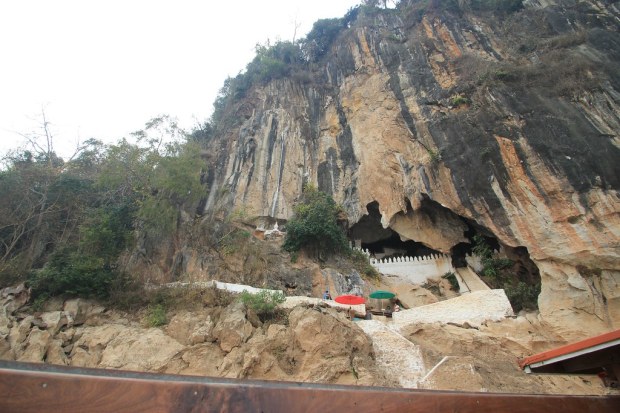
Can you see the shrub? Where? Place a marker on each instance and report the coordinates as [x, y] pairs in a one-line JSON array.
[[451, 277], [522, 296], [362, 264], [458, 100], [262, 303], [315, 225], [75, 274], [156, 316], [505, 6]]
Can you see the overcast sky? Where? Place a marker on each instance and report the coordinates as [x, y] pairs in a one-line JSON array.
[[103, 68]]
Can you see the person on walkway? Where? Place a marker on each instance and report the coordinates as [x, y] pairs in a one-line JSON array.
[[326, 295]]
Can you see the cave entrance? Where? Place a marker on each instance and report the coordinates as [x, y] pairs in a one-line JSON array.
[[395, 247], [370, 235]]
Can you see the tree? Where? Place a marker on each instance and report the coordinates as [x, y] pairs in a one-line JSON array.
[[315, 225], [319, 39], [40, 201], [159, 174]]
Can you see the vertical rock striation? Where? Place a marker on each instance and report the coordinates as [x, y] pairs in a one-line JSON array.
[[508, 119]]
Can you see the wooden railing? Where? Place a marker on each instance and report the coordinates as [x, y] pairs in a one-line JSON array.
[[26, 387]]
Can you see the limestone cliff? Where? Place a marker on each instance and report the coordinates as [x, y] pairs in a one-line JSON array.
[[449, 117]]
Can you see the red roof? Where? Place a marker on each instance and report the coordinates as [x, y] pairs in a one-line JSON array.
[[582, 346]]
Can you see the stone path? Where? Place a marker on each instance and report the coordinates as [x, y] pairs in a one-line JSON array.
[[398, 357], [471, 279]]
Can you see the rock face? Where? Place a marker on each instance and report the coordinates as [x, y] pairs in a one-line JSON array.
[[507, 120], [311, 345], [308, 343]]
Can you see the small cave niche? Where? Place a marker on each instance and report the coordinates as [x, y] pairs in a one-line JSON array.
[[524, 268], [519, 277], [369, 234], [459, 251]]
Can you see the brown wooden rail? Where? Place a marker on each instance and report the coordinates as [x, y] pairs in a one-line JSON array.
[[26, 387]]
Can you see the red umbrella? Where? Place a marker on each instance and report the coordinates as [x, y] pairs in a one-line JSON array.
[[349, 299]]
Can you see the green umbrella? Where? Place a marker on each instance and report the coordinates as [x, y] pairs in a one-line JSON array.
[[382, 295]]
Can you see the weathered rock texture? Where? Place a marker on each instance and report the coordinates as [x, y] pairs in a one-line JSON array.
[[507, 119], [309, 344]]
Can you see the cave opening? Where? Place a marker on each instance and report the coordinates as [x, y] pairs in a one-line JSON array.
[[435, 229], [370, 235]]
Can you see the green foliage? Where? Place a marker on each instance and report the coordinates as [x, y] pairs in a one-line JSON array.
[[505, 6], [108, 231], [320, 38], [458, 100], [87, 268], [156, 316], [451, 277], [159, 180], [262, 303], [294, 257], [362, 264], [314, 225], [233, 241], [522, 296], [41, 201], [491, 265], [435, 155], [68, 272]]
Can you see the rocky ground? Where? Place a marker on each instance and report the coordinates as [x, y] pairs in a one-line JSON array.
[[309, 343]]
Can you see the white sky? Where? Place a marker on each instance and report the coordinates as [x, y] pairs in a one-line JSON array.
[[103, 68]]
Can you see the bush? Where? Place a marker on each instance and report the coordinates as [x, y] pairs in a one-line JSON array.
[[458, 100], [156, 316], [262, 303], [315, 225], [505, 6], [522, 296], [362, 264], [434, 155], [75, 274], [451, 277]]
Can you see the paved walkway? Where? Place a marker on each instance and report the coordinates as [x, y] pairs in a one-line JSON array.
[[398, 357], [471, 279]]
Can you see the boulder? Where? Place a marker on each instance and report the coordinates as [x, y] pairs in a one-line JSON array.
[[326, 344], [233, 329], [5, 322], [89, 343], [80, 357], [412, 295], [56, 354], [36, 347], [13, 298], [201, 360], [6, 352], [140, 349], [191, 328], [80, 310], [20, 332], [54, 321]]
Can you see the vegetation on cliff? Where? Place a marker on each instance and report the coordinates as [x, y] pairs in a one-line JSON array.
[[64, 224], [461, 77]]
